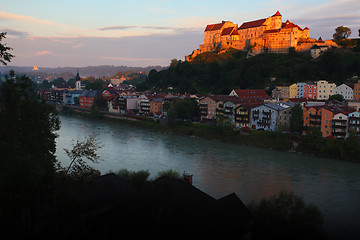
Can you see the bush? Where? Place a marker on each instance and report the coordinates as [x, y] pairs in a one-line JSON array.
[[169, 173], [286, 216], [135, 178]]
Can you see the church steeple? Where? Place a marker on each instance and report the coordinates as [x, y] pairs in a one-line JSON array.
[[77, 78]]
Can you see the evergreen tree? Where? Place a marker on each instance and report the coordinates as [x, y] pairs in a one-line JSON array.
[[27, 141], [296, 119]]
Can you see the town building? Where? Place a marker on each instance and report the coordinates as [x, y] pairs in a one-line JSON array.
[[322, 117], [354, 122], [87, 98], [356, 90], [281, 91], [340, 126], [266, 116], [325, 89], [300, 90], [293, 90], [316, 51], [345, 91], [310, 91], [243, 114], [156, 106], [143, 104], [207, 106], [70, 96]]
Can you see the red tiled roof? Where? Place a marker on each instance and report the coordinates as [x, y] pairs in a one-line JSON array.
[[292, 25], [335, 109], [218, 26], [235, 32], [227, 31], [209, 27], [251, 93], [276, 14], [251, 105], [213, 27], [256, 23]]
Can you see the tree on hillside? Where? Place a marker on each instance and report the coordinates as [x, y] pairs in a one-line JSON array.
[[174, 62], [341, 32], [5, 56]]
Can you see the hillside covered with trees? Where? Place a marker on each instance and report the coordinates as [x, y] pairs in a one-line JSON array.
[[215, 73]]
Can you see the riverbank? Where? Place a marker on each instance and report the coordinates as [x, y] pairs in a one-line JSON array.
[[312, 143]]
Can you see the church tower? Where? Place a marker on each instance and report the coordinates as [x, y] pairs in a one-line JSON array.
[[77, 78], [77, 81]]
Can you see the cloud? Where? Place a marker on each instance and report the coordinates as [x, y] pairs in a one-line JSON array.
[[115, 28], [62, 41], [15, 33], [38, 27], [164, 28], [45, 52], [77, 46]]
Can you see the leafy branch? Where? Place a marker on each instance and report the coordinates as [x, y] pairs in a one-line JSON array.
[[82, 151]]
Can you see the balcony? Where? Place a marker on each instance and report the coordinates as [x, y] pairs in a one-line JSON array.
[[339, 125], [316, 116]]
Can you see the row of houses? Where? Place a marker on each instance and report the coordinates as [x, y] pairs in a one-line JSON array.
[[320, 90], [115, 100], [250, 108], [332, 118]]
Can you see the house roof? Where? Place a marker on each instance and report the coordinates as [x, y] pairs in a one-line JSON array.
[[250, 105], [157, 100], [338, 109], [251, 93], [227, 31], [89, 93], [214, 27], [252, 24], [235, 32], [275, 106]]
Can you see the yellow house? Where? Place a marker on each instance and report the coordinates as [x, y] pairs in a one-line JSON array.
[[325, 89], [293, 90]]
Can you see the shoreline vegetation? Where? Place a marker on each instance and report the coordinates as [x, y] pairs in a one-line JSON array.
[[312, 143]]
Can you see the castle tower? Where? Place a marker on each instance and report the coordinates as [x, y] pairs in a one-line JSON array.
[[276, 20]]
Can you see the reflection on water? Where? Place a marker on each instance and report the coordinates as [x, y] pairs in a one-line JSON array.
[[220, 168]]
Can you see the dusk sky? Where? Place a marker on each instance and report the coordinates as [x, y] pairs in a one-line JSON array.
[[140, 33]]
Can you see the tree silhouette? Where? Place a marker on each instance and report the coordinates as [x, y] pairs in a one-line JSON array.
[[5, 56], [341, 32]]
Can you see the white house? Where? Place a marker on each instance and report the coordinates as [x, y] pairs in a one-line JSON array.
[[344, 90], [340, 126]]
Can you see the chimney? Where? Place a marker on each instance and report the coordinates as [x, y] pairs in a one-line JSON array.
[[187, 177]]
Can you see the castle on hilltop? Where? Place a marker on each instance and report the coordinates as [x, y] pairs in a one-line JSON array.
[[264, 35]]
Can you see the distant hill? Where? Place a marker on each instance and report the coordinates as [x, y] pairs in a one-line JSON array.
[[69, 72]]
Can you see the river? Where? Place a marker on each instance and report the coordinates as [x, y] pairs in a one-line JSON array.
[[222, 168]]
